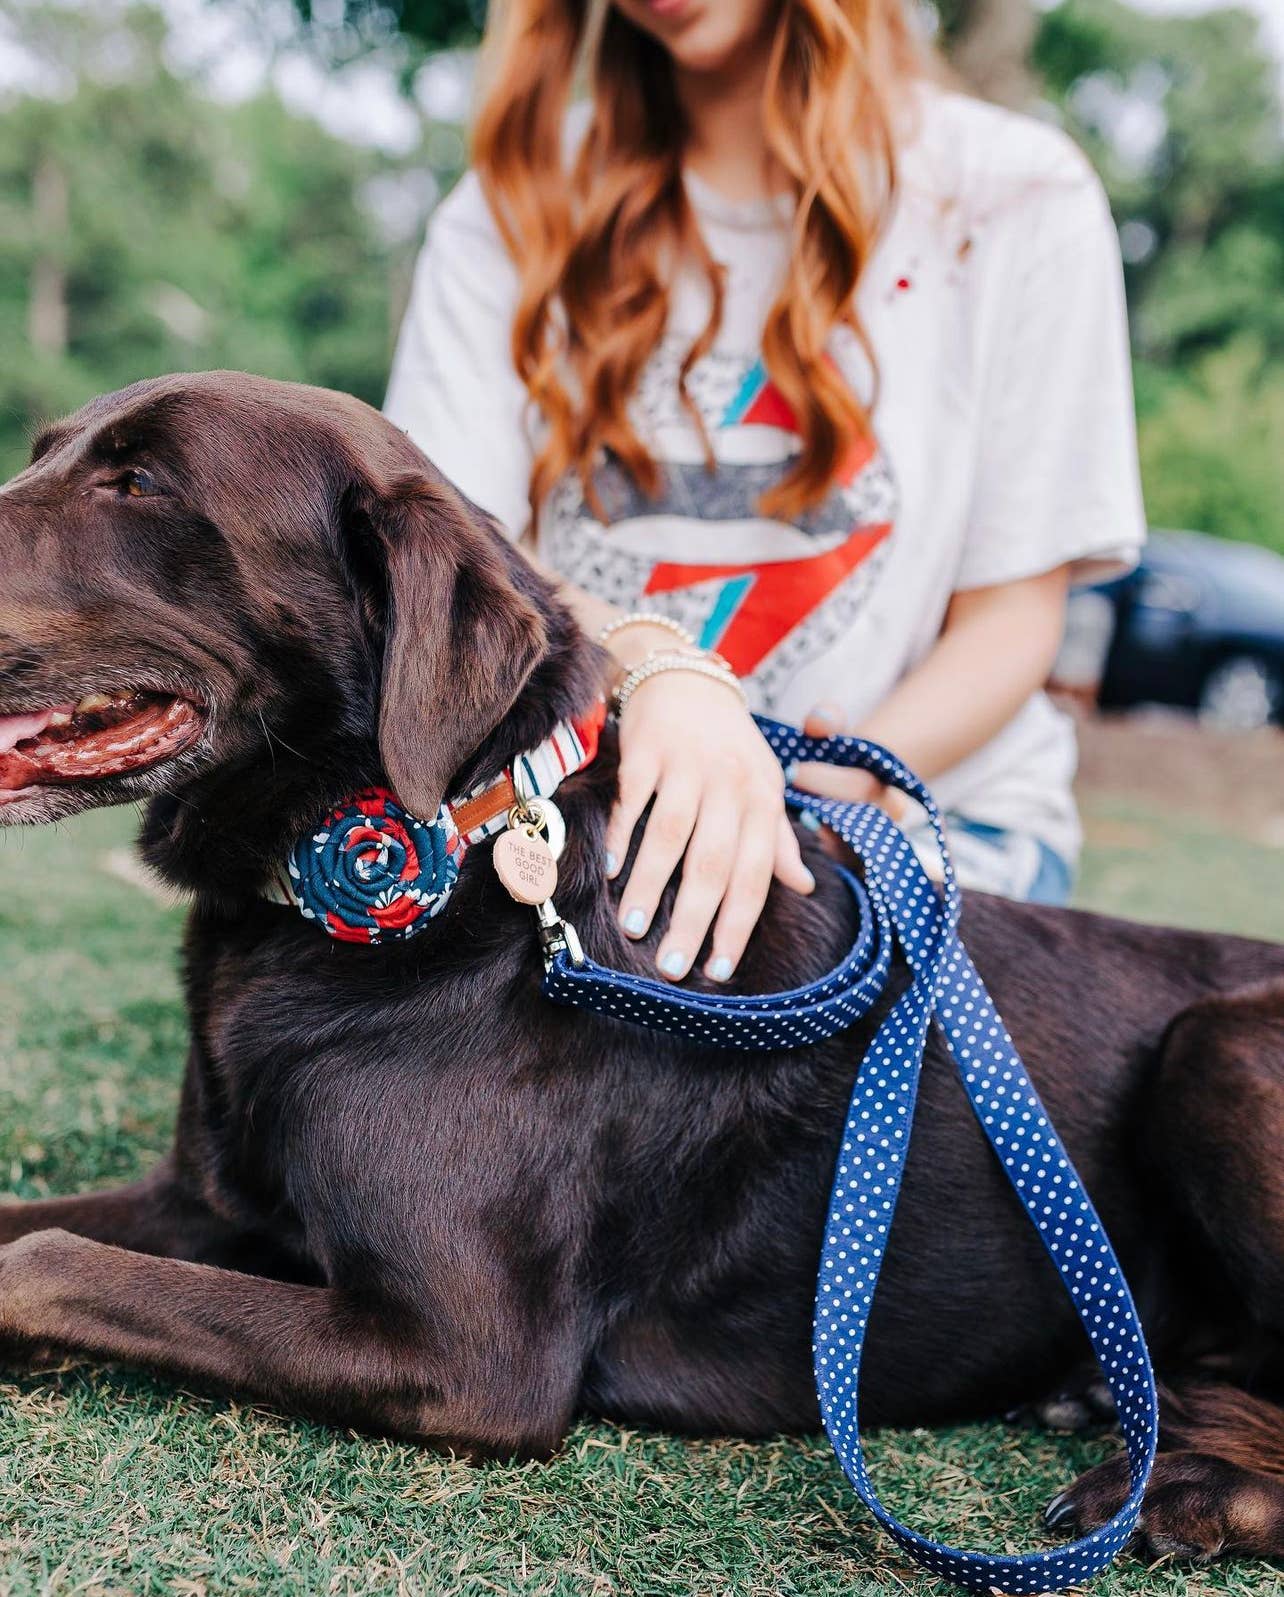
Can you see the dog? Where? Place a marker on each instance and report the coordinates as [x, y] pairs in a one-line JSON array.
[[409, 1195]]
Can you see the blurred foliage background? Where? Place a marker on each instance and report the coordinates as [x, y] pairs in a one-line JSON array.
[[194, 183]]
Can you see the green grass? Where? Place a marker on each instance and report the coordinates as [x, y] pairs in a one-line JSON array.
[[113, 1483], [1179, 869]]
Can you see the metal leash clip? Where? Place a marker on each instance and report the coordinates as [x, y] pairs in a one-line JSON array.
[[557, 936], [525, 859]]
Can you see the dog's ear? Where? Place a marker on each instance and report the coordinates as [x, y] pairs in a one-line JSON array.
[[461, 638]]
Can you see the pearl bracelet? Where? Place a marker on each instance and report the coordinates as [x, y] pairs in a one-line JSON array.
[[662, 660], [646, 618]]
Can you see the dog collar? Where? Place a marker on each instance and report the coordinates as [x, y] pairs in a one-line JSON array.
[[373, 871]]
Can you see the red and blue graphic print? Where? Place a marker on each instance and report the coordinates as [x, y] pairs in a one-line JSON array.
[[768, 597]]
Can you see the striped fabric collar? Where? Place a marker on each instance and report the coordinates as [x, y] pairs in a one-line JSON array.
[[571, 745]]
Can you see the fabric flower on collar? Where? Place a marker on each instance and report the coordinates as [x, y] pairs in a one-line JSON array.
[[374, 871]]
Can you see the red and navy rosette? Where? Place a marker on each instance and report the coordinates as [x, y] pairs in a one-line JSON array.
[[373, 871]]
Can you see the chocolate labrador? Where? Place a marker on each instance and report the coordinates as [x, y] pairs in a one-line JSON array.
[[407, 1193]]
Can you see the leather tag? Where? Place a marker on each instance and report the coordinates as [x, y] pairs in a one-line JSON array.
[[524, 863]]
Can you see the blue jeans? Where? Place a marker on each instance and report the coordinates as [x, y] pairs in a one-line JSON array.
[[996, 859]]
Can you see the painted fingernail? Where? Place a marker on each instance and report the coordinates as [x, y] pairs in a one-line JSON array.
[[612, 864], [719, 969], [634, 922], [810, 821], [791, 771], [674, 962]]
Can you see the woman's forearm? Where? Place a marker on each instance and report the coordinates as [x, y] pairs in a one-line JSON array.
[[996, 648]]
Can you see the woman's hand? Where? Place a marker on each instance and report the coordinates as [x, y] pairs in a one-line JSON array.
[[689, 743], [841, 782]]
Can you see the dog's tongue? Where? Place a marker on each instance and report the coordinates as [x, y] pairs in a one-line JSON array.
[[14, 728], [125, 734]]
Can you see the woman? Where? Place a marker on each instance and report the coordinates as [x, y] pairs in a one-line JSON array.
[[778, 341]]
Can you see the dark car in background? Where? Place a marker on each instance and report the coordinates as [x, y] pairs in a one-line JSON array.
[[1199, 626]]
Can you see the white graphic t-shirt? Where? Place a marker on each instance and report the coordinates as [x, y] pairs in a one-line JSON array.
[[1002, 418]]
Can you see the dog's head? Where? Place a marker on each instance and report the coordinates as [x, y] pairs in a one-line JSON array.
[[215, 585]]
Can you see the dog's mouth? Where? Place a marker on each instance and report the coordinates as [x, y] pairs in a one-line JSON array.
[[101, 735]]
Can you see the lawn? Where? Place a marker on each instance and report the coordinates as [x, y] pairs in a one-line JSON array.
[[112, 1483]]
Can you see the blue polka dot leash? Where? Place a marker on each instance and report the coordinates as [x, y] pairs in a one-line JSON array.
[[899, 908]]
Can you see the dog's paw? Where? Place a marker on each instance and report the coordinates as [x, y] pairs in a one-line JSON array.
[[21, 1356], [1093, 1499], [1081, 1404], [1197, 1506]]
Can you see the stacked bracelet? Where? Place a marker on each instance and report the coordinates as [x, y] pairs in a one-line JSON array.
[[706, 665], [685, 657], [646, 618]]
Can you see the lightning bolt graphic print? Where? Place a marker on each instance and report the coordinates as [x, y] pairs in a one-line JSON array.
[[768, 597]]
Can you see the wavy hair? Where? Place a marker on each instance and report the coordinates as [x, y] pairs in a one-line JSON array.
[[596, 244]]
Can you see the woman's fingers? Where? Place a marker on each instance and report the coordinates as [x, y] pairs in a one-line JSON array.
[[893, 801], [834, 781], [637, 779], [825, 721], [668, 829], [726, 872], [839, 782], [788, 864], [716, 796], [711, 859], [746, 892], [853, 787]]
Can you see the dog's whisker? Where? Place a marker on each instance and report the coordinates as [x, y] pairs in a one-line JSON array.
[[271, 747]]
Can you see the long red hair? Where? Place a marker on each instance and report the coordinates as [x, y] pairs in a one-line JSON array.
[[595, 245]]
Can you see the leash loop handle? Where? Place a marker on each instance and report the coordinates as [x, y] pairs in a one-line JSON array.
[[900, 909]]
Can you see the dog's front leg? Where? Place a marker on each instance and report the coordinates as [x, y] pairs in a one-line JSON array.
[[323, 1351], [154, 1215]]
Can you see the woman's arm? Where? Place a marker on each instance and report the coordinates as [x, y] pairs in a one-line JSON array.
[[688, 743], [996, 648], [1055, 483]]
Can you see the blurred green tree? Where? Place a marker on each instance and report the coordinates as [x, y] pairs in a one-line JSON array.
[[1210, 433], [145, 228], [1182, 117], [345, 28]]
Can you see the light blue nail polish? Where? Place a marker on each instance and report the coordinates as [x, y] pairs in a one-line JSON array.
[[612, 864], [791, 771], [810, 821], [635, 922], [720, 968], [674, 962]]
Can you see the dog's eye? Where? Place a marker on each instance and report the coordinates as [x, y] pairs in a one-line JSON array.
[[138, 484]]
